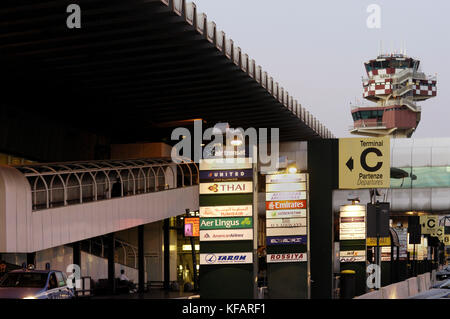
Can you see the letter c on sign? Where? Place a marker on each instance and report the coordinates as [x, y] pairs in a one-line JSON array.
[[364, 157]]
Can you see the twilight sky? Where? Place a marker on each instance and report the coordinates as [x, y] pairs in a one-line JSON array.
[[316, 49]]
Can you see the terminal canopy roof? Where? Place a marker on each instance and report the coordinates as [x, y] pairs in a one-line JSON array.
[[136, 69]]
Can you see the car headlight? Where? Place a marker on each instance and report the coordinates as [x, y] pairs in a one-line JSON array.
[[29, 297]]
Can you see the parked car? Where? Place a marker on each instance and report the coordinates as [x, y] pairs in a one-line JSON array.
[[35, 284], [443, 274], [441, 290]]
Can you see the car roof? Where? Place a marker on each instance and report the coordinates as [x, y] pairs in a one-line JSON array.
[[32, 271]]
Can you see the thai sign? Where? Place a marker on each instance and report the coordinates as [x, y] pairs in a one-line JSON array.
[[226, 188]]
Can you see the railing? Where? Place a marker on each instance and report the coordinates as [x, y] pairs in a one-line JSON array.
[[380, 125], [62, 184]]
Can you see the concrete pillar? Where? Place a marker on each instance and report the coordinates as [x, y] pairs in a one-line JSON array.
[[141, 260], [166, 254], [111, 267]]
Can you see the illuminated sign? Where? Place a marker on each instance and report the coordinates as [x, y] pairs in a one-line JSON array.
[[285, 204], [226, 211], [226, 175], [285, 178], [285, 196], [226, 258], [288, 187], [352, 222], [191, 227], [226, 188], [225, 163], [286, 240], [291, 231], [226, 223], [285, 213], [383, 241], [291, 257], [226, 234], [285, 222]]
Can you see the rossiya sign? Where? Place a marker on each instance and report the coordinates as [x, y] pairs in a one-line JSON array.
[[364, 163], [289, 257], [226, 223]]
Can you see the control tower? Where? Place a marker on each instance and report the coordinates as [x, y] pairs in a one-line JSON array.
[[395, 83]]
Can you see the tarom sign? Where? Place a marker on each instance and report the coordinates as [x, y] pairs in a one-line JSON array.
[[364, 163]]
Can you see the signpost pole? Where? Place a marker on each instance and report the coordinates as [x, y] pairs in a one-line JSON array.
[[255, 222], [194, 259]]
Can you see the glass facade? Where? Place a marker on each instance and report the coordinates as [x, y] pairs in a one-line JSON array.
[[423, 177]]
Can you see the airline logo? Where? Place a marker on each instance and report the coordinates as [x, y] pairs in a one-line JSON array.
[[226, 211], [226, 188], [285, 213], [285, 178], [226, 223], [286, 204], [288, 231], [286, 222], [352, 259], [285, 196], [225, 163], [292, 257], [226, 175], [287, 187], [226, 234], [286, 240], [226, 258]]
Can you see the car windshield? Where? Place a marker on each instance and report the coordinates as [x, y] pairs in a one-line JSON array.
[[25, 280]]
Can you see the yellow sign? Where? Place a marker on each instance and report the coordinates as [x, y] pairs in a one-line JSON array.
[[446, 240], [364, 163], [438, 232], [429, 224], [384, 241]]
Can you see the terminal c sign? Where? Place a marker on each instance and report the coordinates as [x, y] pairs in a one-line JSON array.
[[364, 163]]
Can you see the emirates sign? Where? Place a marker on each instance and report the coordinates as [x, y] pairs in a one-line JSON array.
[[285, 204]]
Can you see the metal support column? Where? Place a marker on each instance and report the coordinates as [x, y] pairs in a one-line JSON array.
[[141, 260], [166, 254], [76, 248], [110, 239]]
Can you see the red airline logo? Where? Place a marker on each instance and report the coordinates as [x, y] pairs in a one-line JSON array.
[[285, 204]]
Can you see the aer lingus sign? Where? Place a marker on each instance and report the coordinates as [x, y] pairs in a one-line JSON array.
[[226, 223]]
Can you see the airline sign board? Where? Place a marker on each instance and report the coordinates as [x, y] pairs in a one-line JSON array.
[[226, 223], [352, 222], [286, 196], [208, 164], [288, 257], [289, 231], [286, 240], [226, 258], [288, 187], [285, 178], [286, 213], [226, 234], [285, 204], [226, 188], [226, 211], [226, 175], [352, 256], [364, 163], [285, 222]]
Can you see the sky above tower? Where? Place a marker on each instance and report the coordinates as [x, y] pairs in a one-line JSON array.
[[316, 49]]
